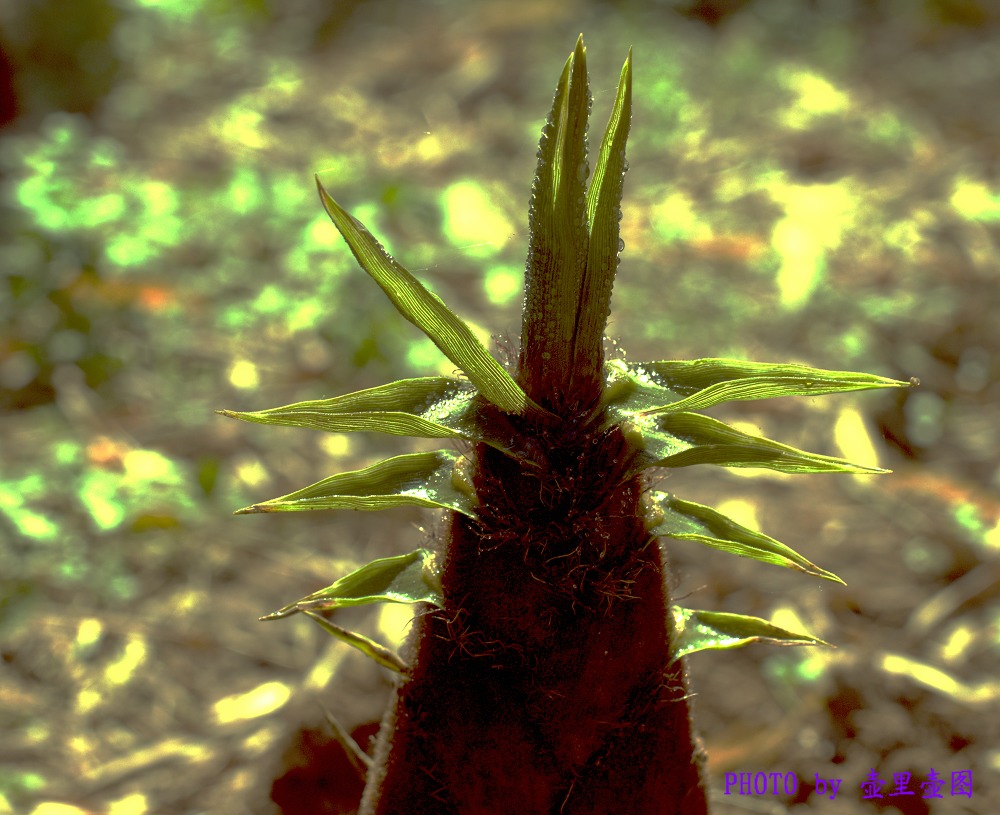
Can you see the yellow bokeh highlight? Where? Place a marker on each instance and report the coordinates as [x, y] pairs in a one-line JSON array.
[[850, 433], [473, 221], [742, 511], [815, 96], [260, 701], [134, 804], [243, 375], [122, 669], [816, 217], [57, 808], [974, 200]]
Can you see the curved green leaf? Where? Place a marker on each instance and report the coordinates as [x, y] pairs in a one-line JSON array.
[[401, 408], [434, 479], [684, 439], [558, 240], [382, 655], [648, 388], [690, 376], [409, 578], [604, 219], [433, 407], [427, 312], [687, 520], [717, 630], [360, 761]]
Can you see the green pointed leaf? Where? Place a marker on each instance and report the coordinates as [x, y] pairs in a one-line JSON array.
[[382, 655], [360, 761], [628, 391], [605, 193], [402, 408], [428, 312], [684, 385], [604, 220], [557, 247], [716, 630], [433, 407], [434, 479], [684, 439], [409, 578], [690, 376], [687, 520]]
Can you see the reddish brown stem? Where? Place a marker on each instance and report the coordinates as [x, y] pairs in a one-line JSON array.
[[545, 684]]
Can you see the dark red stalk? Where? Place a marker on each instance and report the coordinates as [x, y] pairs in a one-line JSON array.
[[545, 684]]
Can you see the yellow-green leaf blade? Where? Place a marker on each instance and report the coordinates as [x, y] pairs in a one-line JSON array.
[[703, 383], [426, 407], [604, 221], [429, 313], [433, 407], [558, 239], [409, 578], [696, 630], [399, 408], [687, 520], [431, 479], [382, 655], [684, 439]]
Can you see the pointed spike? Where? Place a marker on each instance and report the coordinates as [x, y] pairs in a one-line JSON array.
[[360, 761], [604, 223], [428, 312], [557, 250]]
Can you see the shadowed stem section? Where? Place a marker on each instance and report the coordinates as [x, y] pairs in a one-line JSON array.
[[545, 684]]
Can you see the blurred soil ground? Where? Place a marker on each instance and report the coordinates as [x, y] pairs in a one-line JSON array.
[[815, 182]]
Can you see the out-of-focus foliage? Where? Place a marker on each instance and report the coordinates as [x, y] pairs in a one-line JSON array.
[[814, 182]]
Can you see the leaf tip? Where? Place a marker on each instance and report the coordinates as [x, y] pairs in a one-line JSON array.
[[324, 196]]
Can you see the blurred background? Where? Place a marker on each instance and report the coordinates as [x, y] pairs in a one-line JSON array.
[[810, 181]]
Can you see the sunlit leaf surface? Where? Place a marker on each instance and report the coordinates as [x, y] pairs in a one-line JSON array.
[[685, 439], [716, 630], [604, 219], [428, 407], [687, 520], [428, 313], [558, 240], [647, 388], [402, 408], [409, 578], [419, 479], [382, 655]]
